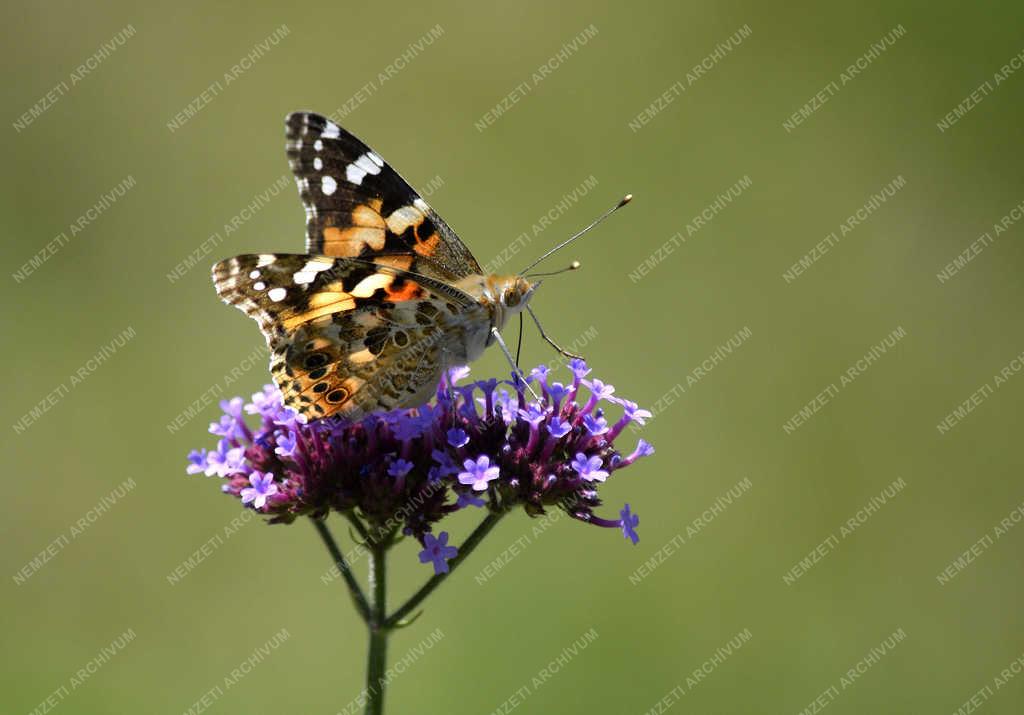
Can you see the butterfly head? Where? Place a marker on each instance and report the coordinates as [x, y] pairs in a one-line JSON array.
[[508, 296]]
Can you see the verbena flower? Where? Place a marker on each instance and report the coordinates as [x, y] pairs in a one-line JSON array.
[[262, 488], [487, 443], [437, 551]]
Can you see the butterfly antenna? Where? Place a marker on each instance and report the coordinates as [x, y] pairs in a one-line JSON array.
[[515, 368], [622, 202], [575, 265]]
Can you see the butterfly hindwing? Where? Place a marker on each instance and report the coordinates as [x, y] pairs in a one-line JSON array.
[[346, 336], [358, 206]]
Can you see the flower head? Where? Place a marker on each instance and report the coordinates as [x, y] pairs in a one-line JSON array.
[[486, 444]]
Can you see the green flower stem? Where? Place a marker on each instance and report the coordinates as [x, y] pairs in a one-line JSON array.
[[374, 611], [362, 606], [436, 580], [357, 524], [377, 655]]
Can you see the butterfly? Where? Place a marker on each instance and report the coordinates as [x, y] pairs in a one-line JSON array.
[[385, 298]]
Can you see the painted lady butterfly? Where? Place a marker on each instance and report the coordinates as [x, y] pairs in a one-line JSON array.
[[386, 296]]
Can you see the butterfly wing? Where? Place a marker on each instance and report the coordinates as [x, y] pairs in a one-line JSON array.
[[358, 206], [348, 336]]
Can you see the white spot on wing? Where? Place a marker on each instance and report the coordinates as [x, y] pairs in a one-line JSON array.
[[259, 285], [331, 131], [354, 175], [367, 164], [254, 274], [318, 163], [277, 294], [403, 218], [265, 259], [318, 264], [318, 145], [328, 185], [366, 287], [309, 271], [421, 205]]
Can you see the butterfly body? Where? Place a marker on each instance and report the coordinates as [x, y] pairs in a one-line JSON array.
[[502, 297], [386, 296]]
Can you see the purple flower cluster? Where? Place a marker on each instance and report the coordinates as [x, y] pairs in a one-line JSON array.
[[481, 444]]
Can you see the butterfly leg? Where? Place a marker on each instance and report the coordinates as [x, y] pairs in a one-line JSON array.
[[515, 368], [549, 341], [519, 341]]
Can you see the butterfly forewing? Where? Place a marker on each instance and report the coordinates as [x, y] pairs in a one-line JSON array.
[[358, 206]]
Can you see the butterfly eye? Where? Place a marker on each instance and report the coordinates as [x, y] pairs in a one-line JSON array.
[[512, 298]]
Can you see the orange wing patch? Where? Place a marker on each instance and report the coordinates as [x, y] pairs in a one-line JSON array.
[[401, 263], [407, 290], [428, 247], [321, 305], [333, 298], [366, 229], [427, 239]]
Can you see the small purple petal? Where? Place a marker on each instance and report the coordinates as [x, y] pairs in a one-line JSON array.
[[533, 414], [197, 462], [600, 390], [399, 468], [225, 427], [478, 473], [262, 487], [457, 437], [540, 374], [558, 427], [579, 368], [558, 392], [286, 445], [595, 425], [232, 407], [589, 468], [436, 551], [265, 403], [629, 523], [643, 449]]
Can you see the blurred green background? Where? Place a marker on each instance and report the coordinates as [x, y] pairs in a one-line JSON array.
[[647, 335]]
